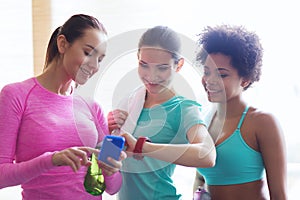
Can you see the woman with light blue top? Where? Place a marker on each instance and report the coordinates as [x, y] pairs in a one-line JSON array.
[[169, 129], [249, 142]]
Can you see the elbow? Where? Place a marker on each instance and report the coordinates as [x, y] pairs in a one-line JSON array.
[[113, 183], [210, 163], [209, 160], [206, 163], [110, 192], [213, 158]]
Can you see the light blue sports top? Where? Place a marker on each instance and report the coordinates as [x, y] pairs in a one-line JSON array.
[[151, 179], [236, 162]]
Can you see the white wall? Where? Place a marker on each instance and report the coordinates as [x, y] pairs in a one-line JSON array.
[[16, 53]]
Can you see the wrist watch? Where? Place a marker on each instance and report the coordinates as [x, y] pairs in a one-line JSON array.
[[139, 147]]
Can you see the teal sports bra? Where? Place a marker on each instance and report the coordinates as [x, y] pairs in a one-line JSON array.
[[236, 162]]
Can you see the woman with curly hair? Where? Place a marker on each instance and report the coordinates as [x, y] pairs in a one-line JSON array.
[[249, 142]]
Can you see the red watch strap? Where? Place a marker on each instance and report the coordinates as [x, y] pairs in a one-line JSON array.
[[139, 147]]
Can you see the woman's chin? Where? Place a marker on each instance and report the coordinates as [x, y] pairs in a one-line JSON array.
[[215, 99], [81, 80]]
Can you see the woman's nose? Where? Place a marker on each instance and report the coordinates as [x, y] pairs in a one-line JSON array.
[[210, 79], [153, 75], [93, 64]]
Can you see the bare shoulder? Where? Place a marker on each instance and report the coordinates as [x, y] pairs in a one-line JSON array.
[[261, 117], [265, 123]]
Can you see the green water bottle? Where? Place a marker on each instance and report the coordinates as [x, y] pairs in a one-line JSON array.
[[94, 179]]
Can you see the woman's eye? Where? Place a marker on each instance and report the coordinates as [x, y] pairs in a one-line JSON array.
[[87, 53], [206, 73], [163, 67], [223, 75], [143, 64]]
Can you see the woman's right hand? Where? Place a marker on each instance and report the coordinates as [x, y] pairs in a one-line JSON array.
[[117, 164], [75, 157], [116, 119]]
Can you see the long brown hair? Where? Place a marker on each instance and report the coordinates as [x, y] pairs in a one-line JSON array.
[[72, 29]]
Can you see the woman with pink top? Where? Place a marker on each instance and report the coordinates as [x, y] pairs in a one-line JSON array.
[[46, 132]]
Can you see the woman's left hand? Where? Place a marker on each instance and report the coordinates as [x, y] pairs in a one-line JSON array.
[[130, 143], [116, 119], [116, 164]]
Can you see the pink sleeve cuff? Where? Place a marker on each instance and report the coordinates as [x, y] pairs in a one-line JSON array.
[[12, 174], [113, 183], [46, 161]]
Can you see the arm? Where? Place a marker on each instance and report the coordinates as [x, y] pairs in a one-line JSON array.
[[272, 146], [113, 183], [11, 109], [12, 173], [112, 175], [200, 153]]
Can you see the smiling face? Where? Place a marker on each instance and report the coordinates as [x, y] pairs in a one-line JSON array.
[[156, 69], [81, 59], [221, 80]]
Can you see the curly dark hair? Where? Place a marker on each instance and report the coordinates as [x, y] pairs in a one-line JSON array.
[[242, 46]]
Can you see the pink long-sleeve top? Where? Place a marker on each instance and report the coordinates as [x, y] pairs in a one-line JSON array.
[[34, 124]]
